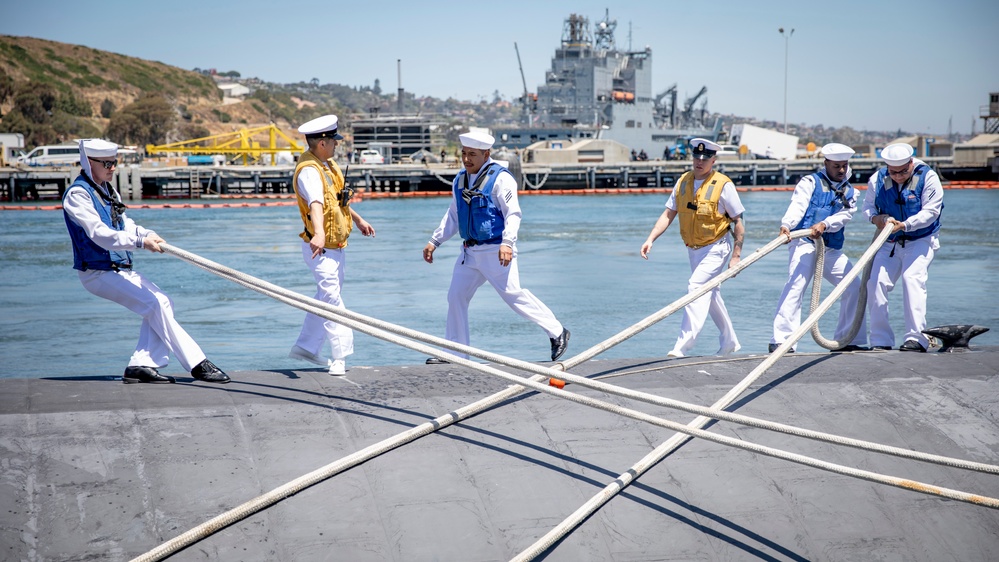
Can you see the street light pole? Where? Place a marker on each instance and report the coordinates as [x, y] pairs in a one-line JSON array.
[[787, 38]]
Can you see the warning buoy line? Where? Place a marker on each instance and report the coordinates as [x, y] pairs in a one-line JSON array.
[[341, 316]]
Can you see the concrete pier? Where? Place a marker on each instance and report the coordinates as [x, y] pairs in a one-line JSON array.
[[192, 182]]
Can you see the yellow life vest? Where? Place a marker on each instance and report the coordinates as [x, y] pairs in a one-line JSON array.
[[700, 222], [337, 221]]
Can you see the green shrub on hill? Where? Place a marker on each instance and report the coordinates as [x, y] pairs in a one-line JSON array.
[[147, 120]]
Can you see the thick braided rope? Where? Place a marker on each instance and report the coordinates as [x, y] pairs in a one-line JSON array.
[[858, 314], [443, 180], [670, 445], [540, 184], [352, 460], [314, 477], [276, 291]]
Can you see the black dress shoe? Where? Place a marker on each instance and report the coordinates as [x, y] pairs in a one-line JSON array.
[[436, 361], [850, 347], [912, 345], [144, 374], [208, 372], [882, 347], [773, 347], [559, 344]]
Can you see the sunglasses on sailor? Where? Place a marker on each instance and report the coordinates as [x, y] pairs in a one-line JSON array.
[[108, 164]]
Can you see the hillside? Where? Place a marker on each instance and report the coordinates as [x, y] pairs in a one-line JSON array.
[[53, 92]]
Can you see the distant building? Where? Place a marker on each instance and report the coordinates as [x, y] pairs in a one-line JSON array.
[[566, 151], [979, 151], [398, 136], [234, 91], [990, 114], [927, 146]]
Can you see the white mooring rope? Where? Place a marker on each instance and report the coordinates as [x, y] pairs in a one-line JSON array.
[[858, 314], [339, 315], [444, 181], [670, 445], [538, 185]]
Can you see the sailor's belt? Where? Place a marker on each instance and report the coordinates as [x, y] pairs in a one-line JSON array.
[[120, 266], [469, 243]]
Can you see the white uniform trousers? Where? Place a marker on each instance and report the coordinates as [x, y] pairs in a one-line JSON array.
[[801, 267], [705, 264], [475, 266], [328, 269], [160, 334], [911, 264]]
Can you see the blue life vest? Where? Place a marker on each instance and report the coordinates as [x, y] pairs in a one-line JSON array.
[[901, 202], [479, 220], [86, 253], [826, 202]]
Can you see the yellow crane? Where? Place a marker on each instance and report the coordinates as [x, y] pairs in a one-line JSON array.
[[239, 143]]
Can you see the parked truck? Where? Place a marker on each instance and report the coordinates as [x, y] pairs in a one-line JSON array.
[[11, 148], [764, 143]]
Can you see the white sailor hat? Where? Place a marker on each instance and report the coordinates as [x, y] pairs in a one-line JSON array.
[[702, 149], [897, 154], [837, 152], [98, 148], [477, 140], [321, 127], [95, 148]]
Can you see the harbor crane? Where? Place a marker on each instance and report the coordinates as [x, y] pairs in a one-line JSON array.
[[528, 106], [664, 115], [237, 144], [688, 108]]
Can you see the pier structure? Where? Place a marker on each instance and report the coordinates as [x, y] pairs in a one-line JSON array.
[[195, 182]]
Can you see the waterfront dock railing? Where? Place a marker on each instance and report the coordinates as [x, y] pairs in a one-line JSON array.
[[194, 182]]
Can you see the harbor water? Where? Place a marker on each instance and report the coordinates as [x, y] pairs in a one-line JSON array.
[[578, 254]]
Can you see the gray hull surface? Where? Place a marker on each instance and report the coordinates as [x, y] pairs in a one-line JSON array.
[[94, 469]]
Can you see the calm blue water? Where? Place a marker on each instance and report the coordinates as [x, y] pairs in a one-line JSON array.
[[578, 254]]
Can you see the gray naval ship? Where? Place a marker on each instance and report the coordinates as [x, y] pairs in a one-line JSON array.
[[596, 90]]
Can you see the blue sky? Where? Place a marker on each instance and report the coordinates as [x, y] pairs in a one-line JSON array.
[[878, 65]]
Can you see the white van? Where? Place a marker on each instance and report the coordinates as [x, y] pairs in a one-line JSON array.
[[52, 155]]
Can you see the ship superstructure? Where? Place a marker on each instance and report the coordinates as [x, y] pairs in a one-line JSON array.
[[595, 90]]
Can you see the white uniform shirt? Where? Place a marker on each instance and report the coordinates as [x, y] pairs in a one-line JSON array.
[[728, 203], [932, 200], [80, 208], [504, 196], [803, 195], [310, 185]]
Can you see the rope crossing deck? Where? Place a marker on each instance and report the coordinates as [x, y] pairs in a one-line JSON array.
[[559, 372]]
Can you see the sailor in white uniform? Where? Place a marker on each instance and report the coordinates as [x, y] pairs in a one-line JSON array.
[[823, 202], [486, 213], [327, 219], [103, 238], [908, 198], [708, 206]]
